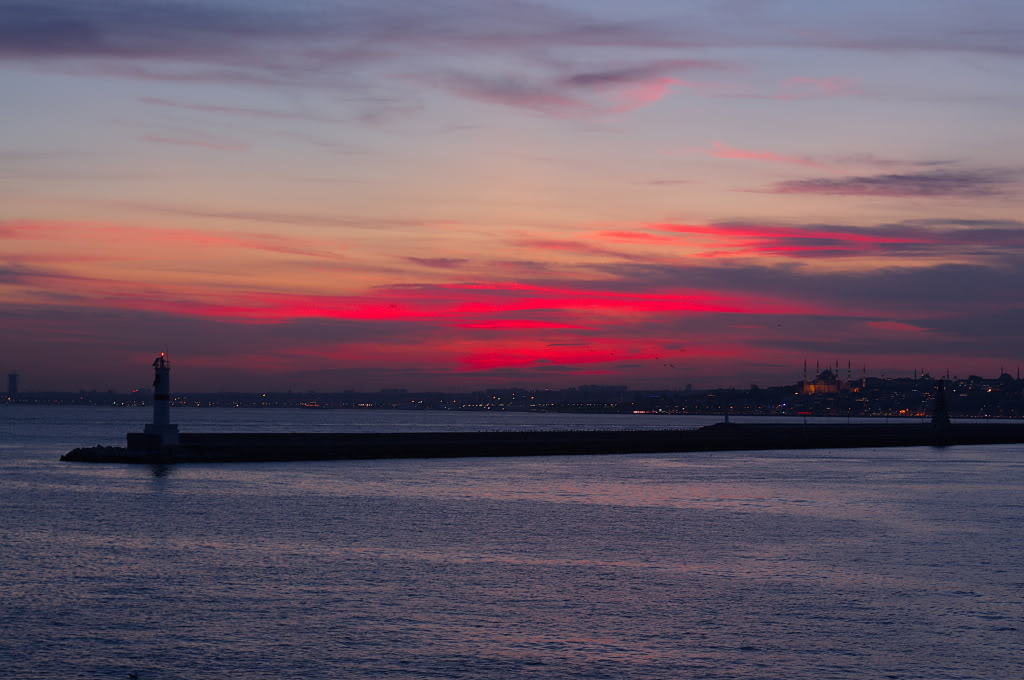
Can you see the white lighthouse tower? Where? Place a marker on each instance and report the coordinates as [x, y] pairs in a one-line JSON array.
[[161, 426]]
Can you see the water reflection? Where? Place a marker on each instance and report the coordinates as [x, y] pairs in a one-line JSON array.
[[161, 470], [804, 565]]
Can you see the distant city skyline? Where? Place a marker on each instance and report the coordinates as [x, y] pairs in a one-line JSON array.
[[812, 376], [458, 196], [825, 395]]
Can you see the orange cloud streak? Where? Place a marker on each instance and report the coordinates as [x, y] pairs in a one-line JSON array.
[[111, 238]]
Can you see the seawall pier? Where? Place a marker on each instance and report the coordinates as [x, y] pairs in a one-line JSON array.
[[297, 446]]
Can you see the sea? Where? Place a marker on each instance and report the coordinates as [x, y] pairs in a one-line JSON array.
[[888, 563]]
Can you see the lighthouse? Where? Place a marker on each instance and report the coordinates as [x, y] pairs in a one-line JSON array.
[[161, 428]]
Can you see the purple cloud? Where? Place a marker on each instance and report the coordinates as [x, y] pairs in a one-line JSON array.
[[514, 91], [870, 159], [244, 110], [131, 30], [972, 183], [631, 75], [573, 91], [439, 262], [303, 40], [107, 28], [201, 141]]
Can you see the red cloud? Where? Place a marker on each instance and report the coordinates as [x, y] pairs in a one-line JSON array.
[[512, 357], [519, 354], [517, 324], [896, 326], [459, 305]]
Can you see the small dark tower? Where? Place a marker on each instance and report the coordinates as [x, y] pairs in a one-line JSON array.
[[12, 384], [161, 427], [940, 411]]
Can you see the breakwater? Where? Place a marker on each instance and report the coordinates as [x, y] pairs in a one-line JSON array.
[[293, 446]]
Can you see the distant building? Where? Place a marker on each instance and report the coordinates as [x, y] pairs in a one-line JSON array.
[[12, 384], [609, 394], [825, 383]]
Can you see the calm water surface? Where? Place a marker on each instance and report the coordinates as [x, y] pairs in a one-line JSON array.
[[872, 563]]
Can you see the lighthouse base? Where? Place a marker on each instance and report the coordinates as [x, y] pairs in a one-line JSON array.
[[154, 437]]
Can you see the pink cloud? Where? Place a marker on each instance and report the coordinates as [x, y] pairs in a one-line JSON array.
[[199, 141], [720, 150], [811, 88], [643, 93], [634, 237], [588, 93]]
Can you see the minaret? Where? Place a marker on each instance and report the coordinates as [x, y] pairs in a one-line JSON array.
[[940, 411], [161, 425]]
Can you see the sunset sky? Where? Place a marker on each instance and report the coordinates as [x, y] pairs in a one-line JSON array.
[[463, 194]]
